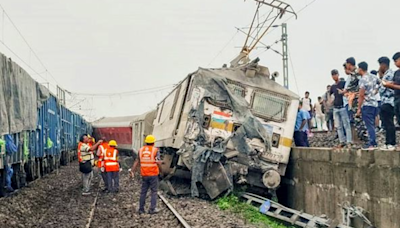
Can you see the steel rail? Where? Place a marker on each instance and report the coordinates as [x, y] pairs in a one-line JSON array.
[[177, 215]]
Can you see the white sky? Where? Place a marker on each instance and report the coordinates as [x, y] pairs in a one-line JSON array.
[[99, 46]]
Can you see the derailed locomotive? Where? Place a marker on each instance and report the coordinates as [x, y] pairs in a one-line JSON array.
[[227, 126]]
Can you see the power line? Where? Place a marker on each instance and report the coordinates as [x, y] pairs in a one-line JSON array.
[[132, 92], [22, 60], [226, 45], [294, 75], [26, 42], [298, 12]]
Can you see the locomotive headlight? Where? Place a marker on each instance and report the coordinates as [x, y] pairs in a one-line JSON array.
[[271, 179]]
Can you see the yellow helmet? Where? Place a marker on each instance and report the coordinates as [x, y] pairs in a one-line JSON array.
[[112, 143], [150, 139]]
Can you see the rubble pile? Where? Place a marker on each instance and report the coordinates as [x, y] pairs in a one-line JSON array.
[[330, 139]]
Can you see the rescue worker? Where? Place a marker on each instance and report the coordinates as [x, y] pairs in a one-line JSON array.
[[149, 159], [112, 167], [91, 140], [100, 162], [86, 161]]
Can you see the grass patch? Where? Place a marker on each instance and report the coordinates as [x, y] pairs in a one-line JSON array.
[[250, 213]]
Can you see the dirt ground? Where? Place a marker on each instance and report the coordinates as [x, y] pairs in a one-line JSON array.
[[56, 201]]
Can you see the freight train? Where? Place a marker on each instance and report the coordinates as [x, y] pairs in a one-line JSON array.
[[50, 142], [219, 128]]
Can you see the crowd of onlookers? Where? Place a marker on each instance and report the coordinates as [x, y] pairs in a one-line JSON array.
[[367, 98]]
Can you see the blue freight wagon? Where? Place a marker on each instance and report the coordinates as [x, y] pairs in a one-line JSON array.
[[39, 152]]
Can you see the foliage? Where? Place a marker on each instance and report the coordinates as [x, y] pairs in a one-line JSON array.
[[249, 212]]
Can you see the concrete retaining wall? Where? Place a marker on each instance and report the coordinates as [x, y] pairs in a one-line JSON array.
[[318, 179]]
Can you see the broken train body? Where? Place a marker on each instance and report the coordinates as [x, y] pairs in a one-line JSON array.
[[227, 126]]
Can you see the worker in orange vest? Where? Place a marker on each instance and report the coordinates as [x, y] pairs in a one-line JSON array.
[[91, 140], [149, 160], [86, 161], [112, 167], [101, 151]]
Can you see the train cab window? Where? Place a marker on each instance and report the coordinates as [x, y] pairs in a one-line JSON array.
[[237, 88], [178, 91], [270, 106]]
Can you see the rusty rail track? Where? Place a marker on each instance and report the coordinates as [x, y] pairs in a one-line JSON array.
[[172, 209]]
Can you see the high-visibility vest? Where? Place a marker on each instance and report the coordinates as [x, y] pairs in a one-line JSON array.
[[84, 156], [148, 165], [111, 160], [103, 147]]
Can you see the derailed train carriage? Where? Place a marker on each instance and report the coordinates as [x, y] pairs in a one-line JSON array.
[[39, 132], [227, 126]]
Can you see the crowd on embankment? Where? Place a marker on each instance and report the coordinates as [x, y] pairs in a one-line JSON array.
[[366, 102]]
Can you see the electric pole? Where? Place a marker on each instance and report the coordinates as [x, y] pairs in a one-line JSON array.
[[285, 56]]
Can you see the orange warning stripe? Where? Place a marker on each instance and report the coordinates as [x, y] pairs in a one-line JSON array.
[[222, 114]]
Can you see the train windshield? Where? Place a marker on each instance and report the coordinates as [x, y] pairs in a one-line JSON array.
[[270, 106], [237, 88]]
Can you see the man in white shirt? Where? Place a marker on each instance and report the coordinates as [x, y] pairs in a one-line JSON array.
[[307, 106], [319, 114]]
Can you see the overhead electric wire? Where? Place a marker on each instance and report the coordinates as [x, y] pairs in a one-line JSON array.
[[226, 45], [26, 42], [298, 12], [294, 75], [126, 93], [22, 60]]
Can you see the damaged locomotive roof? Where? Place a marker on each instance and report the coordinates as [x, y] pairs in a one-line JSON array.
[[258, 81]]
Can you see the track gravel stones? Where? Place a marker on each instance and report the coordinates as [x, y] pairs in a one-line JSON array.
[[56, 201], [330, 139], [53, 201], [200, 213]]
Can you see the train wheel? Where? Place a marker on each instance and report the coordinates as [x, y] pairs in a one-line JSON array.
[[41, 167], [37, 168], [51, 164], [15, 179], [63, 160], [3, 174], [30, 170], [22, 175]]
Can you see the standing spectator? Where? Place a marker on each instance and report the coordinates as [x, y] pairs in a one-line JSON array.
[[367, 103], [378, 98], [340, 114], [307, 106], [395, 85], [387, 107], [300, 130], [351, 86], [328, 104], [319, 114]]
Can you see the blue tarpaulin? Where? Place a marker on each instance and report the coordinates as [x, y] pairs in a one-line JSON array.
[[10, 145]]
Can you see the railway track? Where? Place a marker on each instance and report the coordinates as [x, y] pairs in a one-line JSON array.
[[177, 215]]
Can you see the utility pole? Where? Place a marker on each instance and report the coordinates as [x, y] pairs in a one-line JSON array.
[[285, 56]]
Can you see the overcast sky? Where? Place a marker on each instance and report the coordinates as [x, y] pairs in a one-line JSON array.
[[98, 46]]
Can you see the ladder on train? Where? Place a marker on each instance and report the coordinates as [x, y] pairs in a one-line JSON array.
[[294, 217]]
